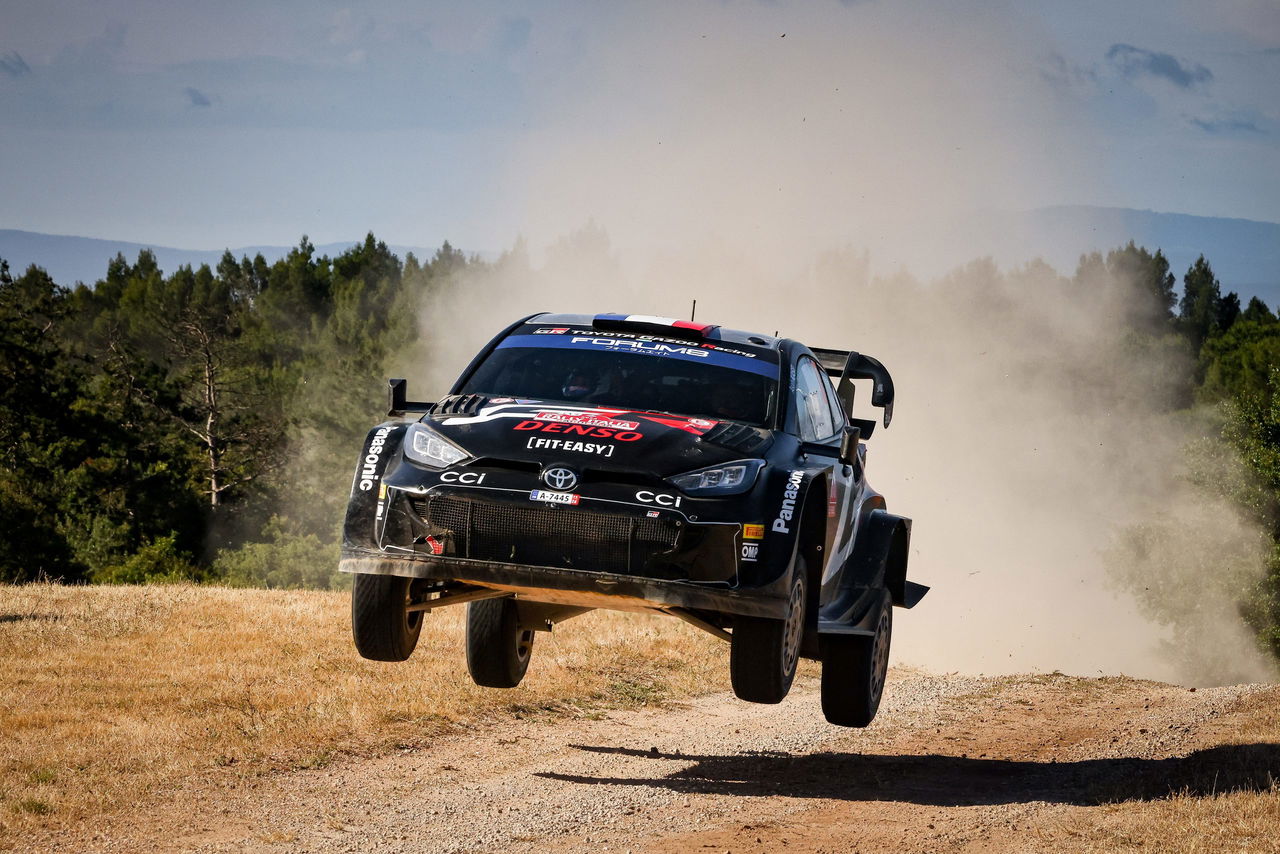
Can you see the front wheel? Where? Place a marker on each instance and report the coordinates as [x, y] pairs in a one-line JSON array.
[[381, 622], [498, 648], [764, 653], [854, 668]]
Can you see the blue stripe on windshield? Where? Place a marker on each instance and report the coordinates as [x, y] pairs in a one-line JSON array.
[[684, 352]]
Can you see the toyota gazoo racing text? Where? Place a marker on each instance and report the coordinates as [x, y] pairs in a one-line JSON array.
[[642, 464]]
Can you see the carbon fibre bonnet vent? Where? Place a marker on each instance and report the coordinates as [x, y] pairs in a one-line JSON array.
[[738, 437]]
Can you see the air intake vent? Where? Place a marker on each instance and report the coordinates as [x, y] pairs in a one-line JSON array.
[[738, 437], [553, 536]]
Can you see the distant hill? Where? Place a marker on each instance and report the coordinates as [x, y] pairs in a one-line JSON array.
[[1245, 253], [84, 259]]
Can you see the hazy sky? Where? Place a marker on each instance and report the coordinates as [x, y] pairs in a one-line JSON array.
[[203, 125]]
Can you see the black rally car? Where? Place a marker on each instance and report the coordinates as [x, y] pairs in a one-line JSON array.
[[644, 464]]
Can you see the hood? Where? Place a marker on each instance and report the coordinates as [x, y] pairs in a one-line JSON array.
[[646, 443]]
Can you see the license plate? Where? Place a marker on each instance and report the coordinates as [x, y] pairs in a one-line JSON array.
[[555, 497]]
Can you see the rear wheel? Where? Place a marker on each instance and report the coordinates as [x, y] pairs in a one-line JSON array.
[[764, 653], [381, 622], [498, 649], [854, 668]]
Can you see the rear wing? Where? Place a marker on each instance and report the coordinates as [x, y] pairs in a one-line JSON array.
[[844, 366]]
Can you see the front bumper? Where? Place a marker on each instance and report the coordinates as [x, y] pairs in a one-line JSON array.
[[574, 586]]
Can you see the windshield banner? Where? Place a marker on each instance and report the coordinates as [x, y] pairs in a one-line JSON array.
[[707, 354]]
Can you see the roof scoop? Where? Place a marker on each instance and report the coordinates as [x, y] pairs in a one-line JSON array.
[[685, 330]]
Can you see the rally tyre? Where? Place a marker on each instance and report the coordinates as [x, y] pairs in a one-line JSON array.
[[764, 653], [853, 671], [384, 628], [498, 649]]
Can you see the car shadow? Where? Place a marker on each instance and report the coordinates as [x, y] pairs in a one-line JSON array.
[[18, 618], [936, 780]]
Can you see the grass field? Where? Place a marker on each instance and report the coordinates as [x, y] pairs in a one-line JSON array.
[[107, 693]]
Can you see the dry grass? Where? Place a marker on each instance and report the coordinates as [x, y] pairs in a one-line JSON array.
[[110, 693], [1226, 797]]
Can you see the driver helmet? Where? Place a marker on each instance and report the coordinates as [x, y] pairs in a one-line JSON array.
[[576, 386]]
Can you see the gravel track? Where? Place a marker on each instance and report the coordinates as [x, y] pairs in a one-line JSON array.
[[951, 763]]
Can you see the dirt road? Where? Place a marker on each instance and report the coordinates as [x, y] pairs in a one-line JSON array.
[[952, 764]]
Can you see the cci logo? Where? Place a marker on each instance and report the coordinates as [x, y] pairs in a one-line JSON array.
[[559, 478]]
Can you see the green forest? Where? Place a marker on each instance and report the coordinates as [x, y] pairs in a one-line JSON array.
[[201, 424]]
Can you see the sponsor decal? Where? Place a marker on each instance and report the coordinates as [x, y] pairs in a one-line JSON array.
[[369, 465], [653, 514], [382, 491], [788, 509], [554, 497], [497, 400], [538, 443], [551, 330], [559, 478], [589, 418], [753, 532], [656, 348], [696, 426], [378, 514], [463, 477], [831, 498], [585, 430], [663, 498], [436, 546], [750, 552], [763, 363]]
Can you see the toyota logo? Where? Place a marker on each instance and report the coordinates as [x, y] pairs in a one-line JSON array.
[[559, 478]]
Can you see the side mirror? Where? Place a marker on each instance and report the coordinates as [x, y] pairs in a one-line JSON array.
[[849, 445], [397, 402]]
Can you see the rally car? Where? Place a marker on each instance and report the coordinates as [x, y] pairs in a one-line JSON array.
[[643, 464]]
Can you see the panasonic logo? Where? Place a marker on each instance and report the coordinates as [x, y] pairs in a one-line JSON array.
[[369, 465], [789, 496]]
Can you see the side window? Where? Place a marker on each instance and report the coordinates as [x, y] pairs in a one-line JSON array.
[[811, 402]]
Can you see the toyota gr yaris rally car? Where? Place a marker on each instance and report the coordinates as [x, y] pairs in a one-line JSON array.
[[643, 464]]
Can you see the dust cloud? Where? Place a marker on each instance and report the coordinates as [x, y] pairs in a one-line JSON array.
[[793, 168]]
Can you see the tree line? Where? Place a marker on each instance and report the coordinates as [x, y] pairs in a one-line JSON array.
[[195, 425], [199, 424]]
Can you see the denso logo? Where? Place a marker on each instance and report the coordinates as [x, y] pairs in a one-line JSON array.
[[369, 466], [789, 496], [579, 430], [642, 346]]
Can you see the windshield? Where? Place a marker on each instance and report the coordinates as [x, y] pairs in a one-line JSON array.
[[652, 375]]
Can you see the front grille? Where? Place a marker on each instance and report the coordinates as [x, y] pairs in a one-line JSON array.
[[550, 536]]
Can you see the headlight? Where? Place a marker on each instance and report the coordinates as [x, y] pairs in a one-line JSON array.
[[427, 447], [728, 479]]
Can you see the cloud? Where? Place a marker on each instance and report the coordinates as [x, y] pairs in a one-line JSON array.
[[196, 98], [13, 64], [1135, 61], [1226, 126]]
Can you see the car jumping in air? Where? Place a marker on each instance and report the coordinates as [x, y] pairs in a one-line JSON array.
[[641, 464]]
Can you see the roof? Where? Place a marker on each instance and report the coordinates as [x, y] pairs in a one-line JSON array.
[[716, 333]]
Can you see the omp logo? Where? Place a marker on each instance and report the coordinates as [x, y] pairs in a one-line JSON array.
[[559, 478], [789, 495], [622, 345], [369, 465]]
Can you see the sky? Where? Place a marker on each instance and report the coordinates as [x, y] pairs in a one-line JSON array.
[[203, 125]]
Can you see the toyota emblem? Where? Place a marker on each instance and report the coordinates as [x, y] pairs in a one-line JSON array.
[[559, 478]]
